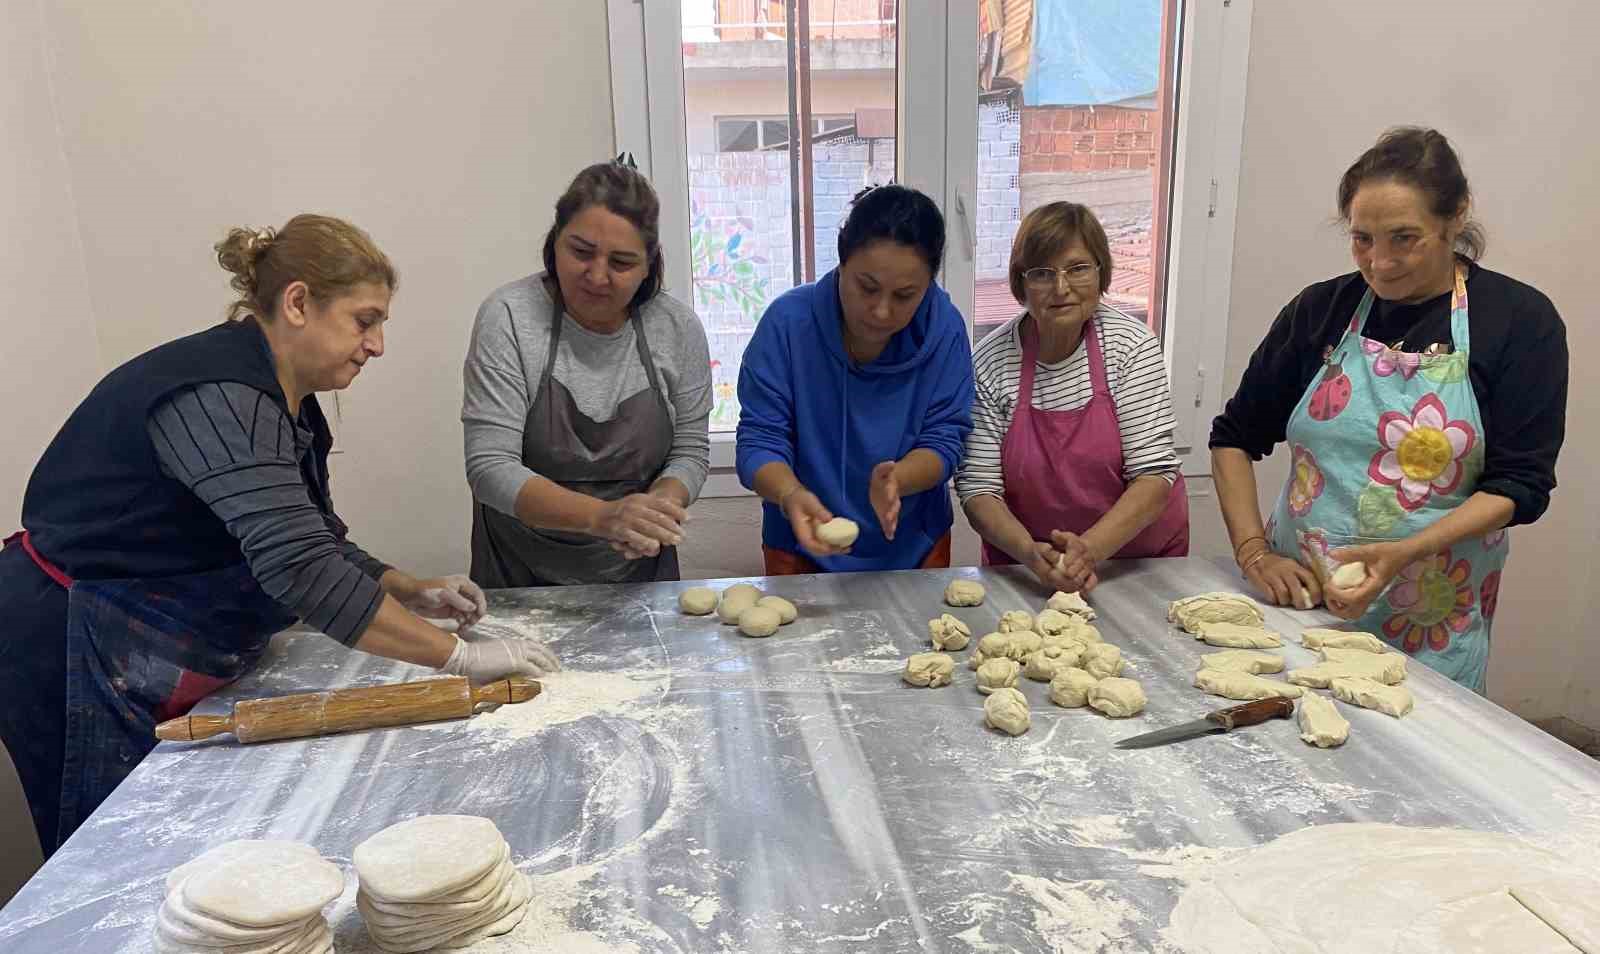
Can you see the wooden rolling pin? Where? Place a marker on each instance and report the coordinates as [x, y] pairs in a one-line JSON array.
[[349, 710]]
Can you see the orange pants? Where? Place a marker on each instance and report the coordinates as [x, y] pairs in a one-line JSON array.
[[784, 563]]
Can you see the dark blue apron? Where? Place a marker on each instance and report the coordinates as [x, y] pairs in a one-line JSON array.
[[139, 652]]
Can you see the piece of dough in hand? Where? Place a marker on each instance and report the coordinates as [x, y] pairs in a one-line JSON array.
[[839, 532], [964, 593], [697, 601], [1118, 698], [1349, 576], [947, 632], [1321, 724], [1070, 688], [787, 613], [759, 621], [997, 674], [929, 669], [1006, 709]]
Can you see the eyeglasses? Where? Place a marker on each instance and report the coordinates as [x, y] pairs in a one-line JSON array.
[[1082, 275]]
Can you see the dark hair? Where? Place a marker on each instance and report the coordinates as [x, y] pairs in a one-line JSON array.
[[1421, 158], [624, 192], [330, 255], [1046, 232], [897, 214]]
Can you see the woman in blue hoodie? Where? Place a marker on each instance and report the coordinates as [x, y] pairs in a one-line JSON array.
[[856, 398]]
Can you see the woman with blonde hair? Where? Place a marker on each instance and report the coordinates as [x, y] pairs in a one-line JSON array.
[[1071, 461], [182, 516]]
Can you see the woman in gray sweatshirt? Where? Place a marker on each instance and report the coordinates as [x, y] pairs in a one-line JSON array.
[[587, 396]]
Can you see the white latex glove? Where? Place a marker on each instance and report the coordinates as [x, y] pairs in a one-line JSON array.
[[457, 596], [489, 659]]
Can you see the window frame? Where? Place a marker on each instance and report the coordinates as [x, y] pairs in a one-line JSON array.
[[937, 153]]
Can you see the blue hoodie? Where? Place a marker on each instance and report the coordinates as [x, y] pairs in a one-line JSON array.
[[804, 402]]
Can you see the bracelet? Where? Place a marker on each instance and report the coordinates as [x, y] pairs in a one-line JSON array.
[[1247, 541], [1245, 567]]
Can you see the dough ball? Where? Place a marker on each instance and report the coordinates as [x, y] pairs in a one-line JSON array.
[[948, 632], [733, 605], [1070, 688], [1043, 663], [743, 588], [786, 610], [1051, 622], [995, 645], [697, 600], [1023, 643], [759, 621], [838, 532], [929, 669], [1071, 604], [964, 593], [1118, 698], [1015, 621], [1103, 661], [1007, 710], [997, 674], [1349, 576]]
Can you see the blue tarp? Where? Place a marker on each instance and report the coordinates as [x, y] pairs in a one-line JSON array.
[[1093, 52]]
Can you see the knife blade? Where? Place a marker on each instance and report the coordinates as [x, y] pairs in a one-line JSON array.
[[1215, 723]]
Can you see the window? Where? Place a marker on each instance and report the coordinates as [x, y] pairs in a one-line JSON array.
[[1133, 107]]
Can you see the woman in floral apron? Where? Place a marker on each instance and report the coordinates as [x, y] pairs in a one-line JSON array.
[[1423, 399]]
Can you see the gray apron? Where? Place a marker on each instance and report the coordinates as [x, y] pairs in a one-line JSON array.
[[608, 460]]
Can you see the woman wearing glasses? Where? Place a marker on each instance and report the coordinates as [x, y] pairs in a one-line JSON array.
[[1070, 461]]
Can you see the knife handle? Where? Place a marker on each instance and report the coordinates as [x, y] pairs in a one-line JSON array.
[[1252, 713]]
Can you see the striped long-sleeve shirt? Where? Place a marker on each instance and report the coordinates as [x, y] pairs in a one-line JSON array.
[[240, 454], [1135, 374]]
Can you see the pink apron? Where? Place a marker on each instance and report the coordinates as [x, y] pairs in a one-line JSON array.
[[1063, 469]]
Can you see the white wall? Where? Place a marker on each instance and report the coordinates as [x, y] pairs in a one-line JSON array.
[[1511, 86], [50, 355], [447, 131]]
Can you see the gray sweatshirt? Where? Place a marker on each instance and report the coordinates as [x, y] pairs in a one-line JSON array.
[[510, 341]]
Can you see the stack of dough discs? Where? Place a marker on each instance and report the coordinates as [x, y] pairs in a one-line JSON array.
[[250, 897], [438, 881]]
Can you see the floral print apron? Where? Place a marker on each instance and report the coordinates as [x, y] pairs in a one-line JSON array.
[[1383, 444]]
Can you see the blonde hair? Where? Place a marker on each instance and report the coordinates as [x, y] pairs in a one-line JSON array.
[[330, 255]]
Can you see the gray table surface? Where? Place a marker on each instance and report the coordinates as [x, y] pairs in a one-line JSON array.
[[684, 788]]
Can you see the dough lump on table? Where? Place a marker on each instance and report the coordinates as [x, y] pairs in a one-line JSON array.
[[838, 532], [1007, 710], [994, 645], [759, 621], [1387, 668], [929, 669], [964, 593], [787, 613], [735, 600], [1321, 724], [1192, 612], [1072, 604], [1371, 694], [260, 885], [1118, 698], [1242, 660], [697, 601], [947, 632], [1015, 621], [997, 674], [1051, 622], [1103, 660], [1043, 663], [1023, 643], [1070, 688], [1339, 639], [1234, 636], [1243, 685]]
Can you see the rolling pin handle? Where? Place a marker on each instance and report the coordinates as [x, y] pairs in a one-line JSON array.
[[193, 728]]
